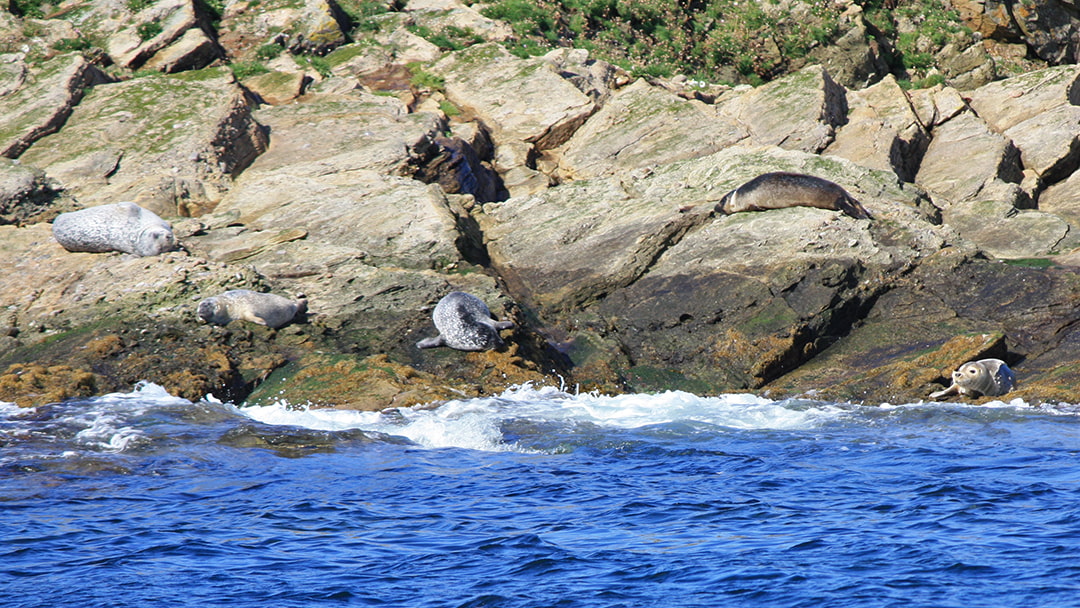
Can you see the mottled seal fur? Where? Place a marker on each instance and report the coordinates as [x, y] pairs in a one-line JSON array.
[[780, 190], [262, 308], [990, 377], [124, 227], [465, 323]]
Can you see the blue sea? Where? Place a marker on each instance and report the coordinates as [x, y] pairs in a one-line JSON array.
[[539, 497]]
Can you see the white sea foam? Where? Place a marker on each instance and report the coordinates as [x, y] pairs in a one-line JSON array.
[[477, 423]]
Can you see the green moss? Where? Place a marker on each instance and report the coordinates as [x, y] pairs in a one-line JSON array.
[[649, 378], [246, 69], [776, 316], [422, 79], [148, 30], [269, 51], [1031, 262]]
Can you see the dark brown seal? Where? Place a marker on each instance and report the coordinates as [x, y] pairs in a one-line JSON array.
[[779, 190]]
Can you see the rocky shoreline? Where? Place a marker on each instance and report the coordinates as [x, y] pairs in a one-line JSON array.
[[575, 200]]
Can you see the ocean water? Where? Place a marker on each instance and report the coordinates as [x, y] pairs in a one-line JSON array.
[[537, 498]]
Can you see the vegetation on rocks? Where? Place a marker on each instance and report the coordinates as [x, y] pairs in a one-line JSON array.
[[375, 155]]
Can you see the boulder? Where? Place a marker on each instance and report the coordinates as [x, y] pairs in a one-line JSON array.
[[1063, 199], [643, 125], [333, 167], [523, 100], [191, 51], [953, 308], [276, 88], [26, 195], [44, 100], [438, 15], [169, 143], [999, 229], [158, 26], [853, 59], [1006, 103], [936, 105], [311, 26], [882, 131], [594, 77], [799, 111], [1049, 142], [965, 67], [989, 160]]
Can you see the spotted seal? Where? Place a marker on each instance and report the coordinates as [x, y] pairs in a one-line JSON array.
[[990, 377], [124, 227], [464, 323], [779, 190], [262, 308]]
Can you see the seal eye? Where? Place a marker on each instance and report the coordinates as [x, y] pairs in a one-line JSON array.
[[973, 371]]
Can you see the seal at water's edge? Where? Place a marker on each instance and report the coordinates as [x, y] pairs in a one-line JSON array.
[[780, 190], [464, 323], [989, 377], [124, 227], [263, 308]]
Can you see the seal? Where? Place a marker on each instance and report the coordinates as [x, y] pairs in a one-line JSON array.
[[262, 308], [464, 323], [780, 190], [124, 227], [990, 377]]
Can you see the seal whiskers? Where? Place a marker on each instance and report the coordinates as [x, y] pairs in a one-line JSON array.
[[989, 377]]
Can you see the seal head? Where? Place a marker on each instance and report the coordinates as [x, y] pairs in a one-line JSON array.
[[780, 190], [989, 377], [465, 323]]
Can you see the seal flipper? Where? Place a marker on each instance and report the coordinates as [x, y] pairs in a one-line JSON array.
[[952, 390], [435, 342]]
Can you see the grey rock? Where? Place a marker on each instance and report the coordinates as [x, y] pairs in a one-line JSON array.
[[642, 125], [988, 158], [799, 111], [44, 101], [169, 143]]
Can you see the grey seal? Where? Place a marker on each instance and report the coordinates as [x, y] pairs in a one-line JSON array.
[[465, 323], [780, 190], [990, 377], [263, 308], [124, 227]]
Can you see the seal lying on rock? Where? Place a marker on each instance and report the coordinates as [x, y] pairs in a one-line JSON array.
[[262, 308], [781, 190], [124, 227], [464, 323], [990, 377]]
